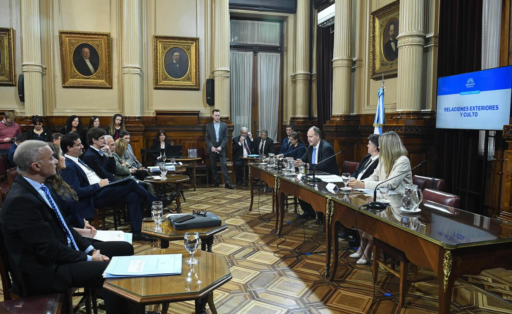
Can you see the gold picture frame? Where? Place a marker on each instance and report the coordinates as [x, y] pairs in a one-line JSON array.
[[384, 24], [176, 62], [86, 60], [7, 57]]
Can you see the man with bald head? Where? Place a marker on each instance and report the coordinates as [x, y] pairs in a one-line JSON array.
[[83, 64]]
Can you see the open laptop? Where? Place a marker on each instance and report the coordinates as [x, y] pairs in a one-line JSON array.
[[174, 151]]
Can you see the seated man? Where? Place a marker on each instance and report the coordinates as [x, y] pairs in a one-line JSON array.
[[94, 191], [319, 150], [98, 156], [45, 253], [263, 145], [56, 138], [286, 140], [20, 138], [242, 147]]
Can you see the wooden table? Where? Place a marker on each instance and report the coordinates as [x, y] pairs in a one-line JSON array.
[[194, 161], [168, 233], [245, 161], [177, 179], [450, 242], [196, 282]]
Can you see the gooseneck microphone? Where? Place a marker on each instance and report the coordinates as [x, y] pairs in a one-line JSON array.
[[293, 150], [381, 206], [314, 179]]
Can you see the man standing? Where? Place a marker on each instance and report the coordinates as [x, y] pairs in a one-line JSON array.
[[318, 151], [8, 132], [84, 65], [391, 46], [263, 145], [216, 139], [286, 141], [242, 147], [46, 254]]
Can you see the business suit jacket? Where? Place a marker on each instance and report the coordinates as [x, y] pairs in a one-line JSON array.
[[269, 144], [286, 144], [368, 171], [105, 167], [238, 150], [10, 155], [82, 68], [401, 165], [295, 152], [325, 151], [35, 240], [211, 138], [156, 150]]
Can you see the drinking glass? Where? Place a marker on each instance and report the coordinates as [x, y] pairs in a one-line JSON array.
[[383, 192], [157, 210], [163, 170], [346, 178], [191, 243]]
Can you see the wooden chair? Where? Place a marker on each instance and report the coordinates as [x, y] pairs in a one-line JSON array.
[[201, 167], [349, 166], [441, 198], [3, 167], [428, 183], [11, 176], [5, 186], [230, 172]]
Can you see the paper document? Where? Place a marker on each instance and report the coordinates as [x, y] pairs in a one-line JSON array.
[[157, 169], [370, 192], [144, 266], [109, 236], [330, 178]]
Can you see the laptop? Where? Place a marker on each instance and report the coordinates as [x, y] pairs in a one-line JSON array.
[[174, 151]]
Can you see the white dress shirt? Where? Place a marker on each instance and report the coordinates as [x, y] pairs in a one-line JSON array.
[[89, 65], [91, 175], [372, 160]]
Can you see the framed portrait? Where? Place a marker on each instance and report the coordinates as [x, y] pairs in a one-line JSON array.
[[176, 62], [383, 43], [7, 77], [85, 59]]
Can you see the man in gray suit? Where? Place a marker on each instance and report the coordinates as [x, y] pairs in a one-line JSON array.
[[216, 140]]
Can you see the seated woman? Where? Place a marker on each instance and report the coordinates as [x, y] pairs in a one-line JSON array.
[[296, 149], [116, 126], [39, 132], [94, 122], [393, 162], [159, 146], [74, 124], [123, 170]]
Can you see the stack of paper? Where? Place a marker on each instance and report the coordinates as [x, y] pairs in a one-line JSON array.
[[330, 178], [157, 169], [144, 266], [109, 236]]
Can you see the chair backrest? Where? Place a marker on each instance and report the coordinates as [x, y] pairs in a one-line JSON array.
[[349, 166], [200, 153], [11, 175], [441, 197], [426, 183], [5, 269], [3, 166]]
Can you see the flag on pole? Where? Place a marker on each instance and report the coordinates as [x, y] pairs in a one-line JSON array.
[[380, 118]]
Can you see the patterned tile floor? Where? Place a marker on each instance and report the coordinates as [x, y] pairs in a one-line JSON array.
[[268, 279]]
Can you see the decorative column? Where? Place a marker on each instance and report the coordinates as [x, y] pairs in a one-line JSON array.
[[431, 48], [342, 59], [221, 72], [411, 40], [302, 74], [131, 54], [32, 66]]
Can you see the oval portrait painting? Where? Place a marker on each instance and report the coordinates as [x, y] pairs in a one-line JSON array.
[[176, 62], [86, 59], [389, 42]]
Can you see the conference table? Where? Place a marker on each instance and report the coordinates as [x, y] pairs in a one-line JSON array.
[[449, 241]]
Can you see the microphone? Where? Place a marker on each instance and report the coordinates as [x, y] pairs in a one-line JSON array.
[[381, 206], [314, 179], [294, 150]]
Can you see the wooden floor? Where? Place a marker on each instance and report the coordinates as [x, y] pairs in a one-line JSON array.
[[269, 278]]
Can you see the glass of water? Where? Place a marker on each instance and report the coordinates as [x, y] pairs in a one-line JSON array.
[[157, 210], [163, 170], [383, 192], [346, 178], [191, 243]]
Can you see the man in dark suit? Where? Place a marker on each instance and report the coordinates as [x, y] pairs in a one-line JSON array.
[[242, 147], [175, 68], [94, 192], [318, 151], [84, 65], [45, 253], [216, 139], [286, 141], [391, 46], [263, 145], [370, 161], [98, 156]]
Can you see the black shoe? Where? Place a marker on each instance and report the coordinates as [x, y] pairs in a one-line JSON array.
[[307, 215], [143, 237], [216, 185], [228, 186]]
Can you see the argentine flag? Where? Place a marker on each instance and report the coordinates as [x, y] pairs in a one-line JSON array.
[[379, 115]]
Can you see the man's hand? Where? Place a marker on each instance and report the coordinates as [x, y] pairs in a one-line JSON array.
[[90, 228], [103, 182], [241, 139], [214, 149], [7, 139], [106, 150], [133, 170], [250, 135], [355, 184], [97, 257], [219, 149]]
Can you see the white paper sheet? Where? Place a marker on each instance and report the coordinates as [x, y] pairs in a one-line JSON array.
[[109, 236]]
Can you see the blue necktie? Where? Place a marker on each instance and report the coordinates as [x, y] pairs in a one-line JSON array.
[[100, 152], [84, 164], [71, 240], [314, 155]]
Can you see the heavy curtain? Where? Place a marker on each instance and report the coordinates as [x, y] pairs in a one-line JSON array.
[[325, 53], [241, 90], [268, 92]]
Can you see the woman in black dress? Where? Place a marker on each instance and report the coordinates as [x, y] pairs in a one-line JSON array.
[[39, 132]]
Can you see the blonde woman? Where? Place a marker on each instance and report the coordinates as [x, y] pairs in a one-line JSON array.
[[123, 169], [393, 162]]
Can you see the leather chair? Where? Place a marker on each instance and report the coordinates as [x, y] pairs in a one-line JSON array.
[[11, 176], [428, 183], [6, 185], [441, 198], [349, 166]]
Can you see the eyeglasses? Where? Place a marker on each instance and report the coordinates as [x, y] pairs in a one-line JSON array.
[[199, 212]]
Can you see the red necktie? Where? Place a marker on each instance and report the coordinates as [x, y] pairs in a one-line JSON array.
[[247, 148]]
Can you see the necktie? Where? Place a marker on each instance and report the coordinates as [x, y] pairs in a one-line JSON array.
[[100, 152], [71, 240], [314, 155], [84, 164], [262, 148], [247, 148]]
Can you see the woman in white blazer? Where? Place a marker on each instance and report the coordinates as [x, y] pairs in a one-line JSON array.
[[393, 162]]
